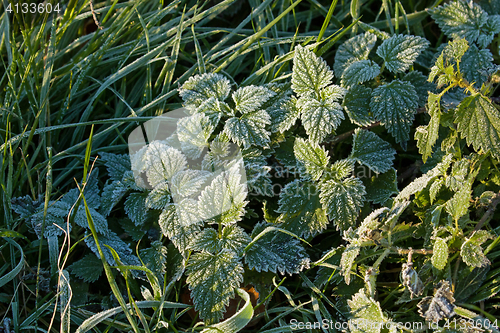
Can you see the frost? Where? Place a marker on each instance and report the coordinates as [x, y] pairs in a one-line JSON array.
[[162, 162], [320, 117], [439, 253], [474, 65], [310, 73], [440, 306], [353, 49], [312, 156], [359, 72], [249, 129], [357, 105], [367, 311], [372, 151], [199, 88], [284, 115], [400, 51], [251, 98], [426, 136]]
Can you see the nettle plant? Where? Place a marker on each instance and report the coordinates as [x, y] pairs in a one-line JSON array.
[[219, 230]]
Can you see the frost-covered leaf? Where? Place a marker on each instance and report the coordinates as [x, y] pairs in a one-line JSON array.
[[439, 253], [301, 209], [365, 310], [100, 222], [458, 205], [310, 73], [320, 117], [284, 115], [134, 231], [155, 258], [359, 72], [275, 251], [380, 188], [341, 169], [232, 237], [474, 65], [159, 197], [348, 257], [224, 199], [193, 133], [412, 281], [370, 150], [421, 84], [251, 98], [187, 183], [24, 206], [135, 207], [112, 240], [353, 49], [439, 306], [394, 105], [89, 268], [478, 121], [249, 129], [313, 157], [199, 88], [57, 213], [214, 109], [162, 162], [426, 136], [111, 195], [471, 251], [400, 51], [343, 200], [179, 233], [212, 279], [357, 105], [117, 165]]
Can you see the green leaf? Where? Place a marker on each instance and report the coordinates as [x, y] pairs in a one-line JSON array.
[[474, 65], [117, 165], [155, 259], [100, 222], [275, 251], [179, 233], [115, 242], [348, 257], [232, 238], [380, 188], [135, 207], [370, 150], [57, 214], [193, 133], [89, 268], [359, 72], [134, 231], [214, 109], [458, 205], [199, 88], [439, 253], [394, 105], [320, 117], [111, 195], [478, 121], [461, 19], [251, 98], [353, 49], [421, 84], [249, 129], [342, 200], [212, 279], [162, 162], [400, 51], [426, 136], [301, 209], [471, 251], [159, 197], [313, 157], [187, 183], [310, 73], [284, 115], [357, 105], [340, 169], [365, 309]]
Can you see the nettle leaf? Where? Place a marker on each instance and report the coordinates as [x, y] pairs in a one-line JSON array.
[[478, 121], [380, 188], [251, 98], [320, 117], [172, 227], [113, 241], [439, 306], [199, 88], [474, 65], [426, 136], [439, 253], [412, 281], [212, 279], [249, 129], [370, 150], [394, 105], [301, 209], [421, 84], [224, 199], [365, 308], [134, 231], [353, 49], [310, 73], [100, 222], [400, 51], [359, 72], [465, 20], [117, 165], [25, 206], [155, 258], [111, 195], [284, 115], [342, 200], [186, 183], [313, 157], [458, 205], [341, 169], [232, 238], [57, 213], [471, 251], [89, 268], [193, 133], [357, 105], [347, 261], [135, 207], [275, 251], [162, 162], [159, 197], [214, 109]]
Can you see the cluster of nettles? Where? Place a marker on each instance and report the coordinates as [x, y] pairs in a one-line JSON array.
[[442, 214]]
